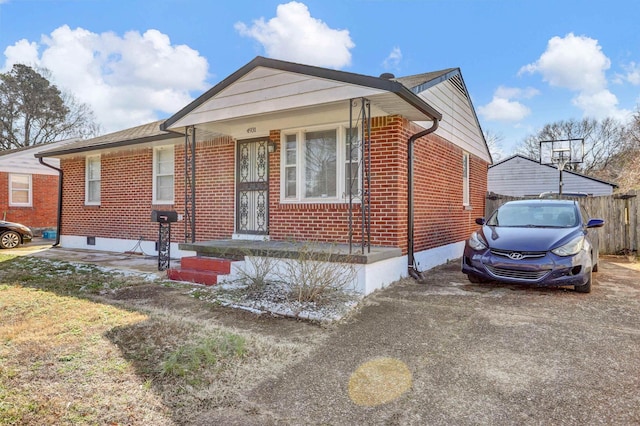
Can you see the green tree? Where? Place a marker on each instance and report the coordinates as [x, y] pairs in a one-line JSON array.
[[33, 111]]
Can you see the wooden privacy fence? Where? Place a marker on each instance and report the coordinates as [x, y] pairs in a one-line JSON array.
[[620, 233]]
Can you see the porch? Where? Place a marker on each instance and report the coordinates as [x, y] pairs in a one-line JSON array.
[[237, 249], [225, 260]]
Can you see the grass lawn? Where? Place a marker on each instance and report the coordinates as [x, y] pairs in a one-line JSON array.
[[72, 351]]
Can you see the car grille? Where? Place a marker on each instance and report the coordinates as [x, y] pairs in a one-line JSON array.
[[516, 274], [525, 254]]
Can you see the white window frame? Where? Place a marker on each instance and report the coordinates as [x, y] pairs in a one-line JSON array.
[[342, 159], [29, 190], [157, 174], [88, 161], [465, 179]]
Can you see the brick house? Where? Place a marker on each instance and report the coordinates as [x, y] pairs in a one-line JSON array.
[[282, 152], [28, 189]]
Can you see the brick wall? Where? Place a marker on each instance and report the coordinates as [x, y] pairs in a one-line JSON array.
[[439, 215], [43, 212], [127, 198]]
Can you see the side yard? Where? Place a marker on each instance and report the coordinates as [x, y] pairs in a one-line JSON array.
[[81, 344]]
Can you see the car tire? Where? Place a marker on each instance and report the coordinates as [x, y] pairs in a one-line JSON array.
[[10, 239], [594, 268], [585, 288]]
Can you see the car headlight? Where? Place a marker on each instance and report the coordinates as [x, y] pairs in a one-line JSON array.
[[572, 247], [476, 242]]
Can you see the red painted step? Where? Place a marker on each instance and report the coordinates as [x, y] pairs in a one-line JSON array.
[[200, 270], [203, 263], [193, 276]]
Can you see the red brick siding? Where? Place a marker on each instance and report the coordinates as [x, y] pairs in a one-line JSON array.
[[127, 194], [43, 212], [439, 215]]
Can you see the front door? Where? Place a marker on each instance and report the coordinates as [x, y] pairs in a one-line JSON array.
[[252, 187]]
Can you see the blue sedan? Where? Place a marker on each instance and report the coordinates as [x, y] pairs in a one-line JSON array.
[[540, 242]]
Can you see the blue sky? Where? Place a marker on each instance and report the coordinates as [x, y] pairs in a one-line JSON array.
[[525, 63]]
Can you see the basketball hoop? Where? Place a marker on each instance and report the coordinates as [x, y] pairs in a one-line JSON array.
[[561, 157], [561, 152]]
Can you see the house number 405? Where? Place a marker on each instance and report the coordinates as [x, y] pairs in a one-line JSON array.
[[251, 130]]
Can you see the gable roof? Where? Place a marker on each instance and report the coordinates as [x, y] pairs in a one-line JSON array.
[[296, 85], [460, 123], [553, 167], [403, 96], [23, 160], [145, 133], [420, 82]]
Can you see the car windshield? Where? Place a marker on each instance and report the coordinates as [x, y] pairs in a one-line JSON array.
[[535, 215]]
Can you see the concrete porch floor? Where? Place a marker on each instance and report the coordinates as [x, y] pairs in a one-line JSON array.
[[237, 249]]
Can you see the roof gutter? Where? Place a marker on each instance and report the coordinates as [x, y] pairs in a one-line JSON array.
[[60, 174], [413, 267]]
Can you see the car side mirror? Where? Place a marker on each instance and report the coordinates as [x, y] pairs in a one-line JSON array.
[[595, 223], [481, 221]]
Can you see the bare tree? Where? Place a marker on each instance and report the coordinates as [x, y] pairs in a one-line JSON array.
[[33, 111], [624, 167], [603, 140], [494, 143]]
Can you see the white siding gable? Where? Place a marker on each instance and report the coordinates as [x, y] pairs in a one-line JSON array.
[[519, 176], [458, 124]]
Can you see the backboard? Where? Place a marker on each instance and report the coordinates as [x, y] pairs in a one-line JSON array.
[[562, 152]]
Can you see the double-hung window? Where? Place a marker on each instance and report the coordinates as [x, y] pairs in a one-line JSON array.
[[163, 170], [92, 180], [317, 165], [20, 194], [465, 179]]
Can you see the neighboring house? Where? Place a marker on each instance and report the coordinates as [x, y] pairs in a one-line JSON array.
[[519, 176], [266, 155], [28, 189]]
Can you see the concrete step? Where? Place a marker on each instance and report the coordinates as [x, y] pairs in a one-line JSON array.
[[193, 276], [204, 263]]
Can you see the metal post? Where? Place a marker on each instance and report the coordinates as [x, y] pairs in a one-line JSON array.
[[164, 246]]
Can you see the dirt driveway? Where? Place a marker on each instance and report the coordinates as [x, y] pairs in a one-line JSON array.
[[447, 352]]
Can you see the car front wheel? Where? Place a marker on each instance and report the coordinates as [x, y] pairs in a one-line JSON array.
[[585, 288], [9, 240]]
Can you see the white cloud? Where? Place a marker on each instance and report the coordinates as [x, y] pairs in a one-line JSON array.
[[394, 58], [503, 108], [633, 73], [600, 105], [294, 35], [573, 62], [516, 92], [577, 63], [126, 80]]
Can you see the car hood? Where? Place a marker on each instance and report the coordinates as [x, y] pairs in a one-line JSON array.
[[527, 239], [15, 225]]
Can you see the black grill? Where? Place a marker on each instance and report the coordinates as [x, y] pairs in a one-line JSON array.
[[525, 254], [516, 273]]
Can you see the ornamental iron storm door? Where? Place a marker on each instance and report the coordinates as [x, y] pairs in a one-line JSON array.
[[252, 187]]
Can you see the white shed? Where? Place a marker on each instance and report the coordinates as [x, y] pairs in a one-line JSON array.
[[519, 176]]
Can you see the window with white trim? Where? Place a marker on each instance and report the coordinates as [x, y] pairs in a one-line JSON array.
[[92, 180], [20, 194], [465, 179], [316, 165], [163, 171]]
